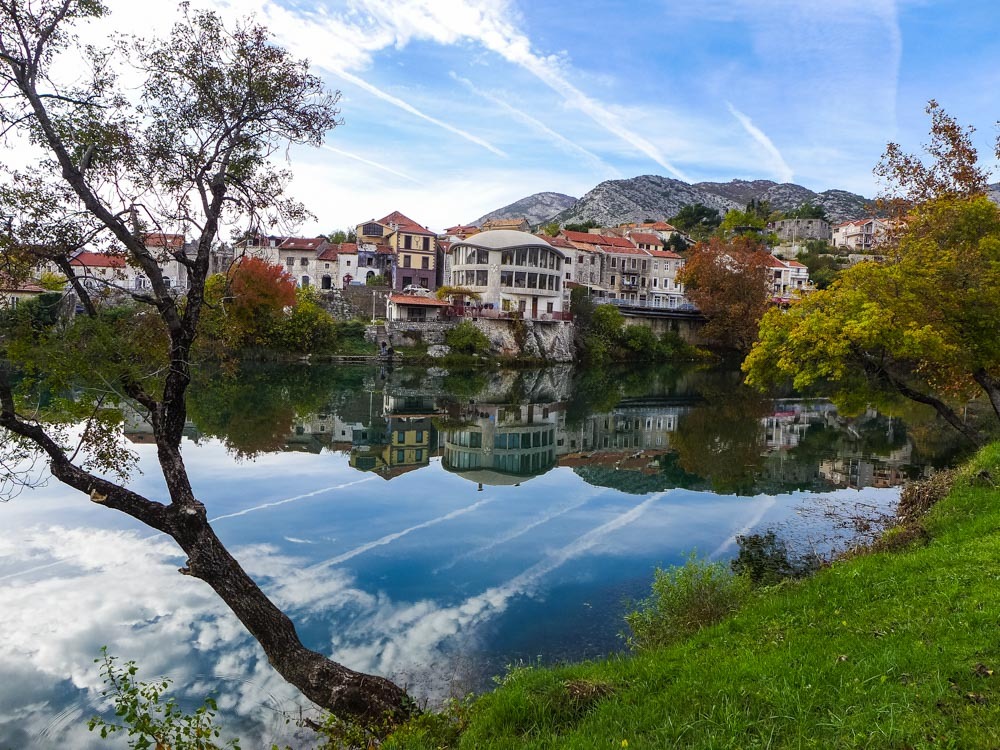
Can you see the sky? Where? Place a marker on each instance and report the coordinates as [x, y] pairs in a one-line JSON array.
[[453, 108]]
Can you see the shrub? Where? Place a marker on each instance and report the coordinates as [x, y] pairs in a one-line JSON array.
[[148, 718], [465, 338], [685, 599]]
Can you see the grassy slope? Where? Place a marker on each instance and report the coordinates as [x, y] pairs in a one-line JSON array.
[[877, 651]]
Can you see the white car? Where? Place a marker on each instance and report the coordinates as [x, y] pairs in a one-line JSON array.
[[417, 290]]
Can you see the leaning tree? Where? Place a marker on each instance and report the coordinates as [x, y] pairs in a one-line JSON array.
[[190, 149]]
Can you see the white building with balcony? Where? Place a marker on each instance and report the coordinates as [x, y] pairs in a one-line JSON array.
[[511, 271]]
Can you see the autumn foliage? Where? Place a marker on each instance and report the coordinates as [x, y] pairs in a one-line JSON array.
[[248, 303], [729, 281]]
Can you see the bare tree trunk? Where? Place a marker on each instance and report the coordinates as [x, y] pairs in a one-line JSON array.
[[368, 699]]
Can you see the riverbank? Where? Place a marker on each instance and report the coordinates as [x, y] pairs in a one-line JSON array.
[[893, 648]]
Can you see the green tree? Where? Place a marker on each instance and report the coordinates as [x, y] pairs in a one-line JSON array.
[[807, 211], [465, 338], [921, 325], [697, 220], [192, 151], [585, 226], [551, 229]]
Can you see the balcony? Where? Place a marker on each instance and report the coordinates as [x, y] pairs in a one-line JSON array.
[[492, 313]]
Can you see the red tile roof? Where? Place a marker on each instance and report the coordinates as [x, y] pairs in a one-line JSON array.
[[628, 249], [7, 285], [596, 239], [794, 264], [647, 239], [302, 243], [664, 254], [159, 239], [407, 299], [660, 226], [557, 241], [98, 260], [405, 224], [344, 248], [461, 228]]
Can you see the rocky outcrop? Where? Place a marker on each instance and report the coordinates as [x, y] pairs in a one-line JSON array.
[[550, 341], [537, 209]]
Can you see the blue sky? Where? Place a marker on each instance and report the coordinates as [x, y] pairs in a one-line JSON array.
[[452, 108]]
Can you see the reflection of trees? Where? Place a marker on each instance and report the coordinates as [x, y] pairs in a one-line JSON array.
[[722, 439], [252, 409]]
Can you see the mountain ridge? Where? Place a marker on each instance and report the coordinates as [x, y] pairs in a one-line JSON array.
[[635, 199]]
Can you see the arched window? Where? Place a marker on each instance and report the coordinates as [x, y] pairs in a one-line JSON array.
[[305, 282], [167, 282]]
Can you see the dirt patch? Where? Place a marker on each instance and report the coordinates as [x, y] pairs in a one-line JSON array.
[[919, 497]]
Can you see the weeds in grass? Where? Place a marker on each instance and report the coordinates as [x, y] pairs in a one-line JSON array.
[[685, 599]]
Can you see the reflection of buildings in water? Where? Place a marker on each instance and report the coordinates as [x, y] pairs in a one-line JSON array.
[[791, 419], [139, 430], [626, 428], [401, 439], [504, 443], [857, 471]]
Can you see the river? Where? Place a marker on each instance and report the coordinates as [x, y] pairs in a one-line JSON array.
[[432, 526]]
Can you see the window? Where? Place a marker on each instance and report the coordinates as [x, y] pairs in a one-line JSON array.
[[400, 436], [420, 436], [406, 261], [348, 262], [425, 262], [400, 456], [550, 307], [305, 282], [419, 454], [482, 278], [407, 242], [656, 282], [532, 281], [304, 262], [427, 243], [290, 261], [614, 263], [407, 281], [612, 281]]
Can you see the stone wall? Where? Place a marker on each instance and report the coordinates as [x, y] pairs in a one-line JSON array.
[[355, 301], [689, 328]]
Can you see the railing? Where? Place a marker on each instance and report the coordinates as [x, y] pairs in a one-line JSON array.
[[492, 313], [646, 304]]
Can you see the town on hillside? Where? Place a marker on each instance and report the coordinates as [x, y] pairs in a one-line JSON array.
[[500, 270]]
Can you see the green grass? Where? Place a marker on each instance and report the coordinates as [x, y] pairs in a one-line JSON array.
[[885, 650]]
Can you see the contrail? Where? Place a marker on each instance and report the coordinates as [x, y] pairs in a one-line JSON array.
[[558, 138], [377, 92], [370, 163], [289, 499], [396, 535], [785, 173]]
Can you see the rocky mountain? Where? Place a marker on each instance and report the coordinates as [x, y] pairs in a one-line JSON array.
[[655, 197], [994, 192], [537, 209]]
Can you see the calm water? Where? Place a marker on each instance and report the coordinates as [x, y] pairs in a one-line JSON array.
[[430, 526]]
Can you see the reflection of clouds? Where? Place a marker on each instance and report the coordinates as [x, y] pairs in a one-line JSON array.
[[408, 638], [389, 538], [515, 533], [124, 592]]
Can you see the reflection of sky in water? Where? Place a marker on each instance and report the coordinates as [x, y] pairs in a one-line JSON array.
[[423, 578]]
